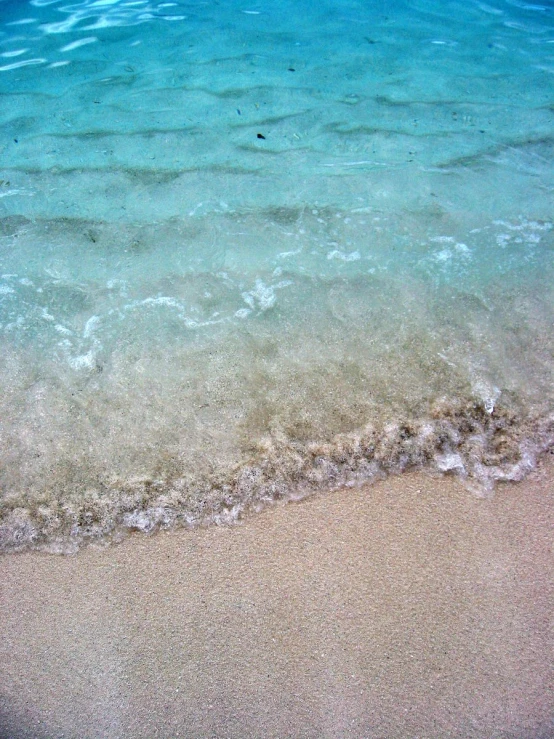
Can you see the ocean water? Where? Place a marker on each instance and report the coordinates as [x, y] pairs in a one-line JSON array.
[[253, 250]]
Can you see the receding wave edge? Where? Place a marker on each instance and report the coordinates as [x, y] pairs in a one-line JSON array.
[[478, 444]]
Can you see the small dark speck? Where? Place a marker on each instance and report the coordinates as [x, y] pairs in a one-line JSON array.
[[16, 141], [292, 69], [481, 130], [238, 111], [260, 136], [96, 102]]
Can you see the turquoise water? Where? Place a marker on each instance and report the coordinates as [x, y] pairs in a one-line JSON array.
[[249, 251]]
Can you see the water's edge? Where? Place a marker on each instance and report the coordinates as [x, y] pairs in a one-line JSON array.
[[479, 445]]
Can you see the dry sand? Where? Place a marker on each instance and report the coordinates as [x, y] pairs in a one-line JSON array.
[[407, 609]]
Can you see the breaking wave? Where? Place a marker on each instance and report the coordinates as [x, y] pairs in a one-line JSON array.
[[479, 445]]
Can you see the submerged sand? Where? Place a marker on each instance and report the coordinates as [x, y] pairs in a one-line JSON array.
[[410, 608]]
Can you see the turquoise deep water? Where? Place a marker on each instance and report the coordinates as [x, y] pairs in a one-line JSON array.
[[250, 250]]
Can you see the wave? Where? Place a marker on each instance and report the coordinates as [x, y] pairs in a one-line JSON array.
[[478, 444]]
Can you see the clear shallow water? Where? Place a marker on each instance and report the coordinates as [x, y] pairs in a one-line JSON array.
[[196, 321]]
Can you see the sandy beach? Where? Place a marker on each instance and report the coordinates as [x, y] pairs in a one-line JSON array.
[[411, 608]]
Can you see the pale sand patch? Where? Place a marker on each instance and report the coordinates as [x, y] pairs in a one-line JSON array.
[[406, 609]]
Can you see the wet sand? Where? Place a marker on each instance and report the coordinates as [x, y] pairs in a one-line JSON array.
[[407, 609]]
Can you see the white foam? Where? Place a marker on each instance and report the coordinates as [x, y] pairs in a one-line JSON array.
[[140, 520], [91, 326], [443, 256], [352, 256], [84, 361], [63, 330], [162, 300], [10, 193], [286, 254], [450, 462], [442, 239], [487, 392], [263, 296]]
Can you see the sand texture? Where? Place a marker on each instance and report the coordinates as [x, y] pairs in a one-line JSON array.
[[407, 609]]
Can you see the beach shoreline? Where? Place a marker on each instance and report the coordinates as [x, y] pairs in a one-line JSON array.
[[406, 608]]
